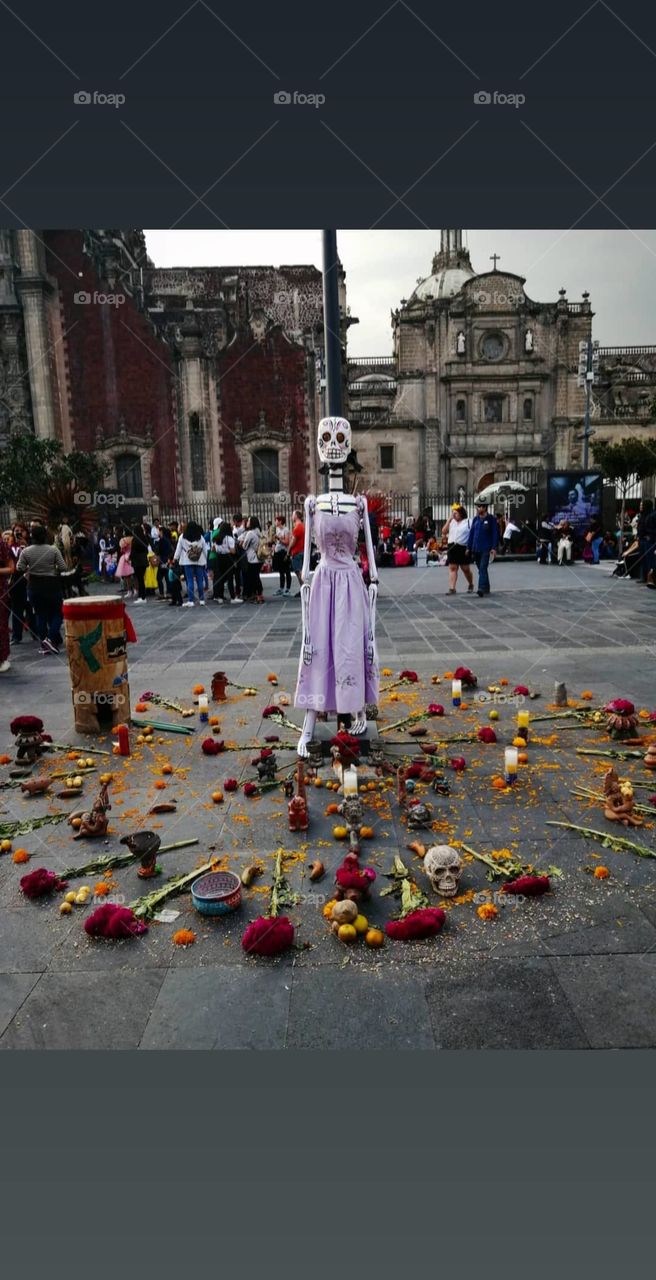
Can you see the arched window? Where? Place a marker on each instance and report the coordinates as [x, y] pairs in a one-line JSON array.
[[461, 410], [266, 477], [197, 452], [528, 408], [128, 475]]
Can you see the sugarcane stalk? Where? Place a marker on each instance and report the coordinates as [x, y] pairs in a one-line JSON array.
[[160, 724], [611, 754], [583, 793], [22, 828], [147, 906], [617, 843], [107, 862], [67, 746], [495, 866]]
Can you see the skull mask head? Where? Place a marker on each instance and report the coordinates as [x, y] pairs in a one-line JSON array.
[[443, 866], [334, 441]]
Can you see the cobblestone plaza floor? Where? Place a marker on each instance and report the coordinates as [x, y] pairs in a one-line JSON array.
[[575, 969]]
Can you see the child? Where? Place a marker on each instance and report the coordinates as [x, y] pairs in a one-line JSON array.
[[124, 569], [175, 589]]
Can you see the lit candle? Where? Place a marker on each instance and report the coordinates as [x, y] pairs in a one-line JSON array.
[[350, 777], [123, 740], [203, 706], [456, 692], [511, 762], [522, 719]]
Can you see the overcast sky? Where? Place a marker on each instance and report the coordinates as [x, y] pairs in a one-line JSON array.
[[618, 268]]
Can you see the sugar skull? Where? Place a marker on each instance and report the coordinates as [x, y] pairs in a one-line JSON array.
[[443, 866], [334, 441]]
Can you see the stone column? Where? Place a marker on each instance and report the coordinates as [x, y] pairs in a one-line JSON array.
[[33, 287]]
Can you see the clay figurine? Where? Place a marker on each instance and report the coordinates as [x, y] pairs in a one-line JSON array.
[[35, 786], [297, 810], [619, 802], [96, 822]]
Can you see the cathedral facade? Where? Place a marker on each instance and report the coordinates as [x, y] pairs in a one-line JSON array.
[[196, 384], [483, 383]]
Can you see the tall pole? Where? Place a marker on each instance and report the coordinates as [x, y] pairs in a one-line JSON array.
[[331, 326], [588, 394]]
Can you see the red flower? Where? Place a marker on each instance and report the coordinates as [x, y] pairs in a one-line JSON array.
[[265, 753], [272, 737], [268, 936], [652, 717], [110, 921], [211, 746], [410, 676], [26, 724], [522, 689], [466, 676], [349, 875], [147, 697], [230, 784], [651, 800], [620, 707], [486, 734], [435, 709], [414, 771], [37, 883], [458, 763], [348, 747], [46, 737], [273, 710], [250, 789], [423, 923], [530, 885]]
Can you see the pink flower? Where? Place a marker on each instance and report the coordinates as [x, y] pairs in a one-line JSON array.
[[529, 885], [435, 709], [486, 734], [620, 707], [458, 763], [40, 882], [423, 923], [111, 921], [467, 677], [522, 689], [230, 784], [268, 936]]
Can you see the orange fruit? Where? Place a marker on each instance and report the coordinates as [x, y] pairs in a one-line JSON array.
[[374, 937], [217, 797], [340, 833], [198, 688], [167, 768], [318, 782], [347, 933]]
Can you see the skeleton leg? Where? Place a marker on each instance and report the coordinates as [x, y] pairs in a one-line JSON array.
[[307, 733]]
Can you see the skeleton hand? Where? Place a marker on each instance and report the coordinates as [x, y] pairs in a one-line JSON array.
[[305, 614]]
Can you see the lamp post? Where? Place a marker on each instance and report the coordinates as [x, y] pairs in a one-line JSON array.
[[331, 325]]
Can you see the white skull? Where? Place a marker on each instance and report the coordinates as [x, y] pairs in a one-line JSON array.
[[334, 440], [443, 866]]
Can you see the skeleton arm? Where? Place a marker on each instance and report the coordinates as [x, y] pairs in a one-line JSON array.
[[305, 584], [373, 582]]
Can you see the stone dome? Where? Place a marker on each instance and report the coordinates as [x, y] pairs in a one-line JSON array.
[[444, 283]]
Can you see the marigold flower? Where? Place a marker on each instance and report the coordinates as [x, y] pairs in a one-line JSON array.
[[5, 759], [386, 671], [487, 911], [587, 695], [184, 937], [601, 873], [101, 889], [272, 678], [21, 855]]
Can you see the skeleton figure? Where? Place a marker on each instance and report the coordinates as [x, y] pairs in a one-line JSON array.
[[443, 866], [335, 517]]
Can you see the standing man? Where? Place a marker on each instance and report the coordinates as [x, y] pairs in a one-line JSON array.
[[483, 543], [297, 547]]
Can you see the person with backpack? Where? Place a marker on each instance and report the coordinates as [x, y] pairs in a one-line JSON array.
[[254, 548], [191, 553], [281, 563]]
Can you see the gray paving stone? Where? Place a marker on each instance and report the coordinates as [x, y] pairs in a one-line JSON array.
[[221, 1008], [80, 1011], [502, 1004], [370, 1008], [14, 990], [613, 998]]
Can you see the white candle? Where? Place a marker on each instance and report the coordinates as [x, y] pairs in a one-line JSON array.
[[511, 763], [203, 706], [456, 692], [350, 781]]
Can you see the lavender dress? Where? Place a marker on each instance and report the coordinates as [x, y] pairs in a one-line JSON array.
[[338, 670]]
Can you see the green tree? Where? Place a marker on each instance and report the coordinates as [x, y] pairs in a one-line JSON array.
[[40, 480], [625, 462]]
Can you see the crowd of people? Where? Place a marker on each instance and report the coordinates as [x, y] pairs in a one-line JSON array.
[[183, 565]]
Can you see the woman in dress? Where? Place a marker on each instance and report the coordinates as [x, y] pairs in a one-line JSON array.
[[338, 670], [124, 570], [456, 531]]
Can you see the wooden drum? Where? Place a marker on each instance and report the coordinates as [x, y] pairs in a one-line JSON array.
[[97, 631]]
